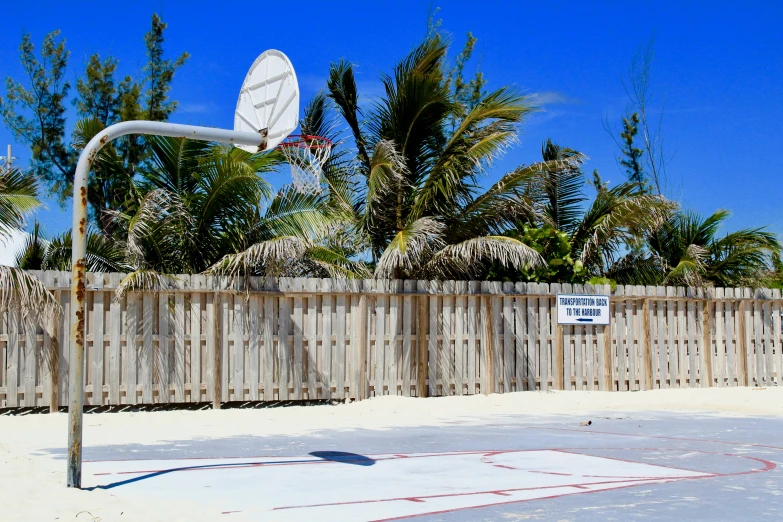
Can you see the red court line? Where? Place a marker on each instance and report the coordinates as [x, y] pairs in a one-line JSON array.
[[768, 465], [404, 517], [423, 498]]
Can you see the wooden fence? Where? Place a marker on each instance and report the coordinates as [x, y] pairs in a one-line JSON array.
[[211, 339]]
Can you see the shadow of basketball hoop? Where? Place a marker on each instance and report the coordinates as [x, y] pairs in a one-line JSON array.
[[343, 457], [329, 456]]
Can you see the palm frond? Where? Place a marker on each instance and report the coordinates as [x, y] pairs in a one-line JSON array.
[[32, 253], [174, 161], [162, 227], [415, 108], [617, 217], [145, 281], [468, 258], [410, 248], [294, 213], [335, 264], [563, 188], [516, 197], [342, 89], [636, 268], [270, 255], [26, 293], [388, 174], [18, 199], [104, 253]]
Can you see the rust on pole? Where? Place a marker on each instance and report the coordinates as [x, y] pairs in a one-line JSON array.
[[79, 251]]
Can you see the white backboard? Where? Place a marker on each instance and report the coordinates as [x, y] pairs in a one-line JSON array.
[[584, 309], [269, 99]]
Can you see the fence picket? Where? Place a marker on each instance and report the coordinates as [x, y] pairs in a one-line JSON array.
[[720, 341], [692, 348], [298, 340], [254, 309], [758, 349], [213, 352], [682, 353], [340, 360], [520, 341], [131, 354], [621, 363], [544, 335], [226, 309], [532, 337], [408, 346], [163, 355], [197, 283], [64, 336], [728, 316], [115, 344], [474, 287], [12, 358], [148, 350], [776, 326], [671, 330], [284, 351], [96, 359], [434, 330], [327, 359], [178, 370], [394, 340], [382, 357], [311, 334], [446, 366]]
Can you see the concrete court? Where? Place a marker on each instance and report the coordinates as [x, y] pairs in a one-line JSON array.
[[650, 466]]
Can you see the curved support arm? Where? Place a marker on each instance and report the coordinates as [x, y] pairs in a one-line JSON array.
[[79, 251]]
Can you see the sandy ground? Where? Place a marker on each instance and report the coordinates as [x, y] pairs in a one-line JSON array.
[[32, 481]]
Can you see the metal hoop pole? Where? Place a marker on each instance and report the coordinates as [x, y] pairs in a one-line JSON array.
[[79, 250]]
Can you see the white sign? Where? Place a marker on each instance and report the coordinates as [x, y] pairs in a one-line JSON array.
[[582, 309]]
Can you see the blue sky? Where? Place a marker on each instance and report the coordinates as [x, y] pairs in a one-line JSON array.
[[718, 73]]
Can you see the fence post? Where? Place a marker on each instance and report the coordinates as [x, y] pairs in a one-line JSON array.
[[363, 384], [216, 344], [706, 343], [742, 345], [487, 343], [607, 347], [558, 352], [646, 346], [51, 342], [421, 338]]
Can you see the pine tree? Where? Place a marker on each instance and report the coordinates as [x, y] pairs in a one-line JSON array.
[[159, 73], [631, 163], [35, 114]]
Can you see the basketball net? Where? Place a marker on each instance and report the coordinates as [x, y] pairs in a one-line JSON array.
[[306, 156]]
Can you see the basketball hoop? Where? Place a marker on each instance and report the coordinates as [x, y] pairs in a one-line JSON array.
[[306, 154]]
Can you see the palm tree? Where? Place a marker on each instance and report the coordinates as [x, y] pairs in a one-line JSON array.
[[195, 205], [404, 182], [189, 207], [687, 250], [309, 234], [581, 242], [18, 289], [104, 253]]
